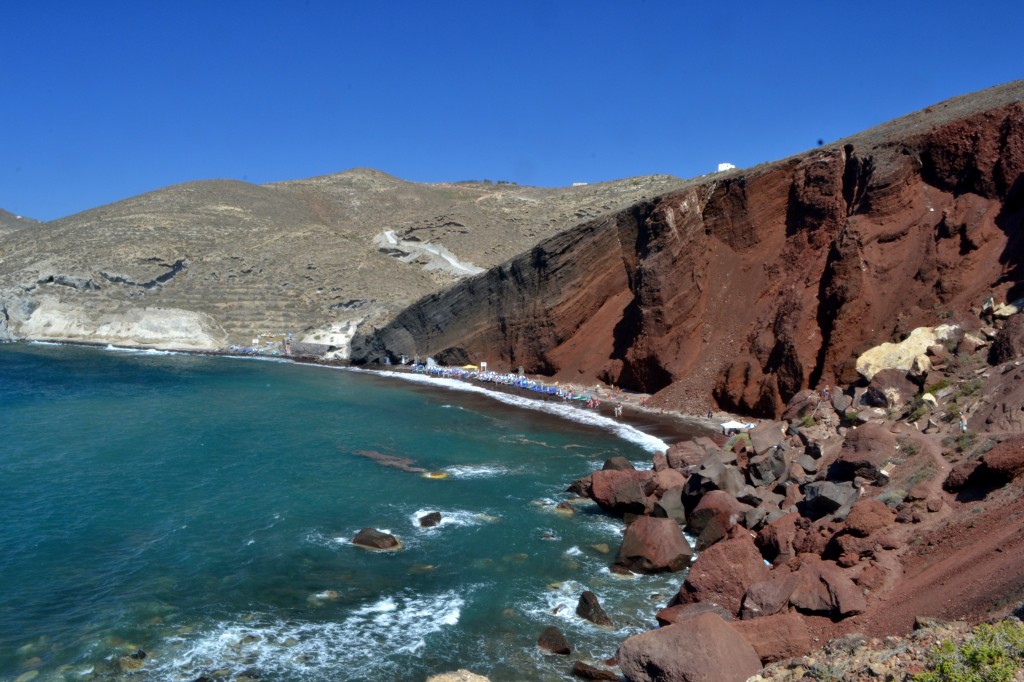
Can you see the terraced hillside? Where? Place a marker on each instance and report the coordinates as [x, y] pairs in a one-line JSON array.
[[211, 263]]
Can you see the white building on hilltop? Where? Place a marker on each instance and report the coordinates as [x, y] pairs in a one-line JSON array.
[[725, 166]]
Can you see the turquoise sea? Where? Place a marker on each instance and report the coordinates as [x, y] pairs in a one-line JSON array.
[[200, 509]]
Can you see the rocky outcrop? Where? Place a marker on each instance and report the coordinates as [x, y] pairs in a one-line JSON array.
[[759, 284], [654, 545], [698, 649]]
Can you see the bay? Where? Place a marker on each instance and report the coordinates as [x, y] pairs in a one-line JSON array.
[[201, 509]]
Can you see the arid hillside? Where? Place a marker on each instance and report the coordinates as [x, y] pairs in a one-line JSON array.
[[211, 263], [740, 289]]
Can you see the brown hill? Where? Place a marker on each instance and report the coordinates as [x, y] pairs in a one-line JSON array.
[[207, 263], [742, 288], [12, 223]]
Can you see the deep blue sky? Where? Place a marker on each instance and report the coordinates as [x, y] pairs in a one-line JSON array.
[[104, 100]]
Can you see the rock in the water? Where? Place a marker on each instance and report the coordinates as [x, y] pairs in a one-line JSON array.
[[589, 608], [430, 520], [619, 492], [654, 545], [554, 642], [371, 538], [589, 672], [618, 464], [701, 649]]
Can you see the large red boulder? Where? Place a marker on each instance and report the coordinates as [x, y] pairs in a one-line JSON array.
[[701, 649], [714, 515], [685, 454], [774, 638], [723, 572], [1006, 460], [680, 612], [823, 587], [663, 480], [864, 452], [654, 545], [867, 516], [777, 539], [769, 597], [620, 492]]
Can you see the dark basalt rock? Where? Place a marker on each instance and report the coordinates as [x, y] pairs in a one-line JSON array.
[[371, 538]]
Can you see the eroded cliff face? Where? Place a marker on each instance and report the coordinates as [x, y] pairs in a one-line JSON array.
[[745, 289]]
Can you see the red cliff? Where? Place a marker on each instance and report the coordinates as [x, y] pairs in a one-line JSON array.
[[743, 288]]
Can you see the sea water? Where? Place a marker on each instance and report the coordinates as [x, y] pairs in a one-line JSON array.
[[201, 510]]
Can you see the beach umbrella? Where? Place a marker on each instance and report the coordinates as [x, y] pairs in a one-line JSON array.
[[733, 424]]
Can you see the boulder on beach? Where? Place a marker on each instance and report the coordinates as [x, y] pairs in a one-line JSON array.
[[371, 538], [654, 545], [620, 492], [865, 451], [698, 649], [723, 572]]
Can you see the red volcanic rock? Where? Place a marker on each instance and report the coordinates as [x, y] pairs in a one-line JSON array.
[[685, 454], [716, 506], [824, 588], [868, 515], [776, 637], [958, 477], [1009, 343], [589, 608], [664, 480], [699, 649], [654, 545], [722, 573], [770, 596], [1006, 460], [865, 451], [371, 538], [680, 612], [755, 283], [554, 642], [619, 492], [776, 540], [890, 388]]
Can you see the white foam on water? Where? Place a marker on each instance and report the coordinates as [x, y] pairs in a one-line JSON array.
[[353, 646], [455, 517], [138, 351], [477, 470], [573, 551], [560, 409]]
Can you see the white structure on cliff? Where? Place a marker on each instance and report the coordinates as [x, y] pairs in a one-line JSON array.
[[725, 166]]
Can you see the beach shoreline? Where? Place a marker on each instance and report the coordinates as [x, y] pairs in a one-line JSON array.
[[668, 426]]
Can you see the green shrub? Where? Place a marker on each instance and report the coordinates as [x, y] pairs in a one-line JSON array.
[[892, 498], [937, 386], [908, 447], [807, 421], [991, 653], [918, 409]]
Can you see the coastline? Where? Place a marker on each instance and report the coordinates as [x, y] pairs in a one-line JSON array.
[[670, 427]]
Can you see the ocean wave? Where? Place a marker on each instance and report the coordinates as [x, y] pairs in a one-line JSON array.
[[624, 431], [398, 624], [478, 470], [111, 348]]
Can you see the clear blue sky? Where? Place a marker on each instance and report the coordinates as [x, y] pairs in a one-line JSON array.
[[102, 100]]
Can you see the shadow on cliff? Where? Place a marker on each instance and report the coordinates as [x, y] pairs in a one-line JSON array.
[[1011, 221]]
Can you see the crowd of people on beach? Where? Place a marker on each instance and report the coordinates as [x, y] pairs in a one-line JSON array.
[[568, 392]]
